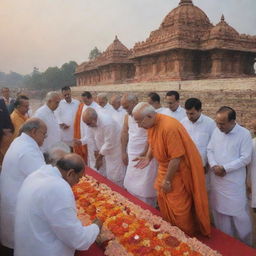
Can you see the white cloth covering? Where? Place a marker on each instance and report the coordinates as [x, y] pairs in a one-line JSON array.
[[118, 116], [161, 110], [46, 219], [65, 114], [53, 131], [252, 174], [179, 114], [200, 132], [22, 158], [233, 152], [105, 138], [139, 181], [108, 109]]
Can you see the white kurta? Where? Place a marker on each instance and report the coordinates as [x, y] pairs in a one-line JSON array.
[[108, 109], [118, 116], [22, 158], [161, 110], [252, 173], [46, 219], [139, 181], [106, 140], [179, 114], [200, 132], [53, 129], [232, 151], [65, 114]]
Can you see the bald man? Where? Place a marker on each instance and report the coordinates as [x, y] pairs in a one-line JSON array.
[[134, 143], [119, 112], [104, 136], [102, 99], [52, 226], [22, 158], [46, 113]]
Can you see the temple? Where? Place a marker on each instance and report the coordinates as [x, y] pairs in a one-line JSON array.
[[186, 46]]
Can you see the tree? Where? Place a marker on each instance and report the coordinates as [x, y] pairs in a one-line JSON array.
[[94, 53]]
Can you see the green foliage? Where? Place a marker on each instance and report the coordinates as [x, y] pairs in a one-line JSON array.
[[94, 53], [52, 78], [12, 79]]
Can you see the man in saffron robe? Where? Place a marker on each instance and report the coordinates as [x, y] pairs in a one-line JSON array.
[[180, 181], [19, 114]]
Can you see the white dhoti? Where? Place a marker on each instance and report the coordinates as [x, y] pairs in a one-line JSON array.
[[139, 182]]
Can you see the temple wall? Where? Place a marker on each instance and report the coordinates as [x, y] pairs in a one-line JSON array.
[[237, 93]]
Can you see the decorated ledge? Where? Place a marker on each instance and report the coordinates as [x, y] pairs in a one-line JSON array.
[[128, 230]]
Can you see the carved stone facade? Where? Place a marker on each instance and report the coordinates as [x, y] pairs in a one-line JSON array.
[[186, 46]]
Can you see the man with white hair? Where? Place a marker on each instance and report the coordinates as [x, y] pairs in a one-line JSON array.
[[119, 112], [180, 182], [103, 134], [22, 158], [102, 99], [46, 113], [134, 143], [65, 114]]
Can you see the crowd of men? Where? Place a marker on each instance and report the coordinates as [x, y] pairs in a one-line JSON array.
[[170, 157]]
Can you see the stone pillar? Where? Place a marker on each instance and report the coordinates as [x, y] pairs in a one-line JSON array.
[[216, 69]]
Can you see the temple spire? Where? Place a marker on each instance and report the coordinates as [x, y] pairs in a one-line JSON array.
[[185, 2], [222, 18]]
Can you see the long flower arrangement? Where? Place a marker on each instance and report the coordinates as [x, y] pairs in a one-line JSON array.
[[128, 230]]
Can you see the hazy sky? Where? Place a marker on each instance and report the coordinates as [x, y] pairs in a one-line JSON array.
[[43, 33]]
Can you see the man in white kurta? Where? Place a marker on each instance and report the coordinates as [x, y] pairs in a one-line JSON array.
[[252, 170], [102, 100], [138, 182], [46, 218], [118, 113], [229, 151], [65, 114], [154, 100], [104, 132], [46, 113], [174, 109], [22, 158], [199, 126]]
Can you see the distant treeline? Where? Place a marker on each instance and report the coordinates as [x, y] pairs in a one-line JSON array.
[[52, 78]]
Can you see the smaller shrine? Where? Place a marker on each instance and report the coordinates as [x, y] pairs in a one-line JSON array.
[[112, 66]]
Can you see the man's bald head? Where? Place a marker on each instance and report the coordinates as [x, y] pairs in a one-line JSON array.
[[90, 117], [144, 114], [71, 167], [102, 99], [115, 101], [128, 102]]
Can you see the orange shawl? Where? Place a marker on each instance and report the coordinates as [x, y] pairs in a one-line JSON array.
[[82, 149]]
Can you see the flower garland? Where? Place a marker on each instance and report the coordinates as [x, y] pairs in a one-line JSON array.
[[128, 230]]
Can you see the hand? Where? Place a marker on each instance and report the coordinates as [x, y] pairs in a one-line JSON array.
[[63, 126], [97, 222], [96, 153], [99, 161], [77, 142], [125, 158], [143, 162], [166, 186], [219, 170]]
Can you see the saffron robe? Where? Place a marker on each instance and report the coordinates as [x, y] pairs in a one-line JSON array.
[[81, 149], [17, 120], [186, 206]]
